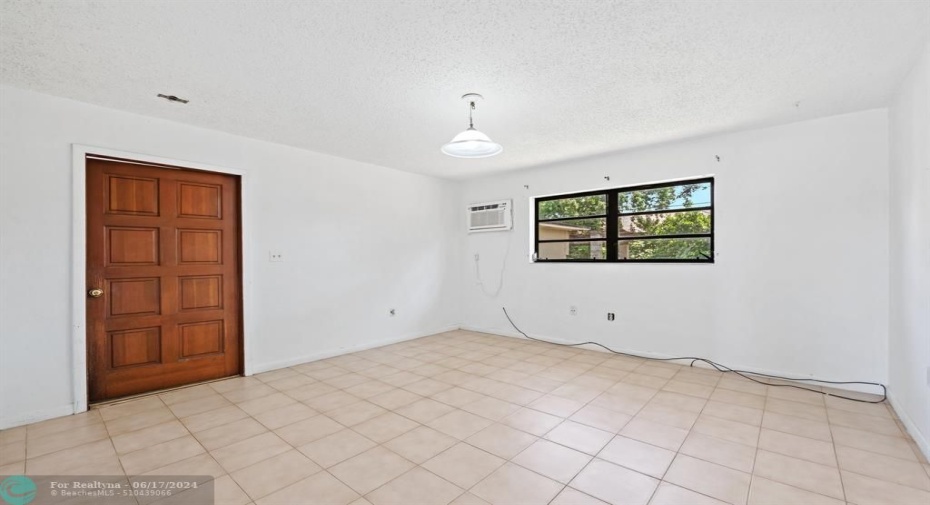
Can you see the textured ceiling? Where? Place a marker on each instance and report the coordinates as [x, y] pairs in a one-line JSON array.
[[379, 81]]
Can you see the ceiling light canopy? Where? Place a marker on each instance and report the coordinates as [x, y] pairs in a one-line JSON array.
[[471, 143]]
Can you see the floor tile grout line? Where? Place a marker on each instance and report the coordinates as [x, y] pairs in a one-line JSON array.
[[841, 470], [209, 453], [678, 452], [755, 457], [416, 466], [612, 438], [119, 459], [565, 379], [836, 457], [464, 441], [189, 433]]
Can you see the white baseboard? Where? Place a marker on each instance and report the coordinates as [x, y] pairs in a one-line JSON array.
[[646, 354], [21, 418], [919, 437], [307, 358]]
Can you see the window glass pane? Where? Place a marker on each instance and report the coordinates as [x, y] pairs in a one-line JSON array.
[[572, 229], [672, 223], [665, 249], [681, 196], [578, 206], [593, 250]]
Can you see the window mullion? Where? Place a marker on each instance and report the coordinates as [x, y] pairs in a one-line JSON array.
[[535, 231], [612, 225]]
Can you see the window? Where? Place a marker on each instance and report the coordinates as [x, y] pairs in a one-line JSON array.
[[667, 222]]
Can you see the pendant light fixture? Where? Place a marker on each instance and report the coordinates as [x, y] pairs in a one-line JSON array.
[[471, 143]]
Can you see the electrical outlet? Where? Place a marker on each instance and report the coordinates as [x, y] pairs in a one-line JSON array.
[[610, 316], [573, 310], [275, 256]]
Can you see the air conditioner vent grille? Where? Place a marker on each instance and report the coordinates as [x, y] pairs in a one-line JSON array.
[[490, 216]]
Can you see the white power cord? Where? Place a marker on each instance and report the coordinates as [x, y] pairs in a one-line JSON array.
[[500, 283]]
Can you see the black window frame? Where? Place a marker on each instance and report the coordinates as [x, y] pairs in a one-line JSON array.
[[613, 219]]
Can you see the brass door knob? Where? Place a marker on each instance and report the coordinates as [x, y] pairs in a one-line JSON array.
[[95, 293]]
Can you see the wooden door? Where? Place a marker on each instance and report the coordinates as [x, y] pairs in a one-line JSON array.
[[163, 247]]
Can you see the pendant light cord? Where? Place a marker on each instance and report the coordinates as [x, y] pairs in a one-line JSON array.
[[471, 123]]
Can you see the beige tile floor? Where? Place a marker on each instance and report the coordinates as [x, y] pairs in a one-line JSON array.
[[469, 418]]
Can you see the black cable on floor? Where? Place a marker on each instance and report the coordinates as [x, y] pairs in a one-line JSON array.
[[725, 369]]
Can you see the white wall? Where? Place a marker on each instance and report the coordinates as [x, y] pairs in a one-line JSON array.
[[909, 335], [800, 284], [358, 240]]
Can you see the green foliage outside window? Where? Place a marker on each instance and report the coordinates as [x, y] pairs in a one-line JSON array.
[[654, 224], [593, 227]]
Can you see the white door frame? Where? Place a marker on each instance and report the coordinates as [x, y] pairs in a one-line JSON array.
[[79, 254]]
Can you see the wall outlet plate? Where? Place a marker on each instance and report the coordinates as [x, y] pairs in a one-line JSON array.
[[275, 256]]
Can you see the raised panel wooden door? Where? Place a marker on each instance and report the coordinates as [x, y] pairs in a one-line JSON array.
[[163, 277]]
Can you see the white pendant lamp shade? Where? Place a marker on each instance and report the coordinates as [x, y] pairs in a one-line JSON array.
[[471, 143]]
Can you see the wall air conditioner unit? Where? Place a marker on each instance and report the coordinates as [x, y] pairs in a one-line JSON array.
[[490, 216]]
